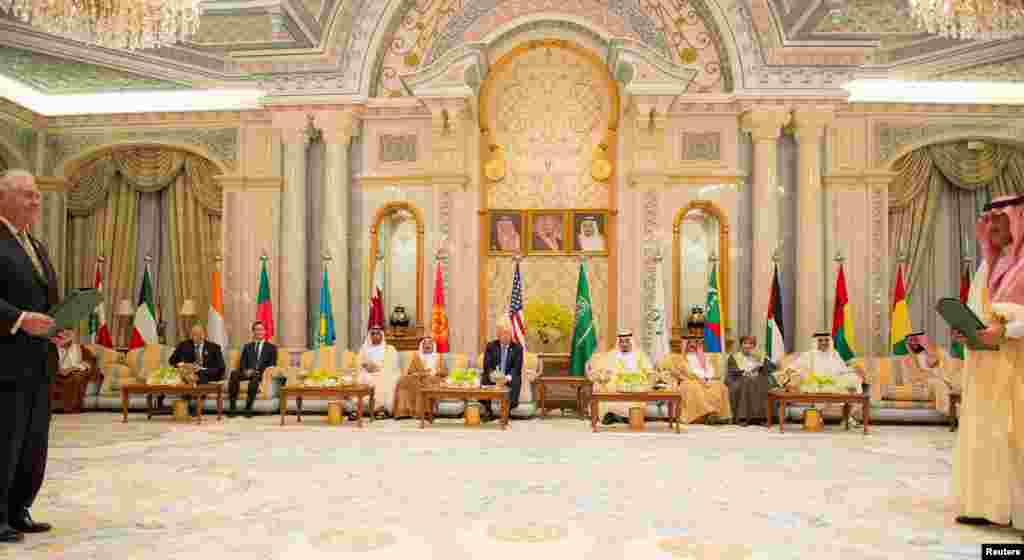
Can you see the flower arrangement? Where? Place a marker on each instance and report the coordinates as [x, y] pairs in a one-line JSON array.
[[632, 381], [822, 383], [321, 378], [164, 376], [464, 377], [551, 321]]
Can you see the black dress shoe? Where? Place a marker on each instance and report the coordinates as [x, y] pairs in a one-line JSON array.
[[609, 419], [965, 520], [25, 524], [8, 534]]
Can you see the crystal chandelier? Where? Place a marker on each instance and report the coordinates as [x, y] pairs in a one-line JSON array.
[[117, 24], [970, 19]]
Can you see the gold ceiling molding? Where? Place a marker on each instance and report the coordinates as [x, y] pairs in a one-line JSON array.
[[243, 183], [197, 118], [695, 177], [857, 180], [436, 180]]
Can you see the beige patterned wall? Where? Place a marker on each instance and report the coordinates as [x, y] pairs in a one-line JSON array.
[[548, 108]]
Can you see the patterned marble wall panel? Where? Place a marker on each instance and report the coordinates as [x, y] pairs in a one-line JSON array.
[[847, 145], [705, 141], [219, 143], [397, 147]]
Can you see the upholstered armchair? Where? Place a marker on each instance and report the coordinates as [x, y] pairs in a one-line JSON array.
[[531, 371], [234, 358], [68, 389]]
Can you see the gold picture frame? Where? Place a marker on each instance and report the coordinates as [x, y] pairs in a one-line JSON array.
[[541, 226], [576, 242], [501, 243]]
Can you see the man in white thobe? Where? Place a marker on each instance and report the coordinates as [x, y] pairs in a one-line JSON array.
[[378, 364], [623, 359]]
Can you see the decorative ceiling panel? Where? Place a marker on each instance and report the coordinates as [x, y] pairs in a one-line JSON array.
[[58, 76], [313, 7], [1006, 71], [870, 16], [230, 29]]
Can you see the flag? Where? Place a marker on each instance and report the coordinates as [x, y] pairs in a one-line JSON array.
[[376, 315], [515, 309], [656, 317], [264, 308], [144, 324], [215, 330], [775, 332], [325, 332], [713, 317], [842, 320], [99, 332], [900, 323], [965, 288], [584, 336], [438, 318]]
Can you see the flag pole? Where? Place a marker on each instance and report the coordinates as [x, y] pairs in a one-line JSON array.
[[325, 258]]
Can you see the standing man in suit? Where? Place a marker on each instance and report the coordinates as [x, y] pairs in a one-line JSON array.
[[256, 357], [204, 354], [28, 289], [503, 357]]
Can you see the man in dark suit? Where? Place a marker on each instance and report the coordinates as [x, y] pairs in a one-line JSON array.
[[503, 357], [28, 289], [204, 354], [256, 357]]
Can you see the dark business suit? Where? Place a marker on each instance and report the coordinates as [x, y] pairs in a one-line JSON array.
[[513, 367], [250, 360], [29, 364], [212, 365]]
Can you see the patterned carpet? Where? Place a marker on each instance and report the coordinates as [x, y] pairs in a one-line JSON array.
[[250, 489]]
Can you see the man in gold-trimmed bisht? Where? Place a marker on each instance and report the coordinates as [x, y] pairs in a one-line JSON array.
[[608, 368], [705, 396]]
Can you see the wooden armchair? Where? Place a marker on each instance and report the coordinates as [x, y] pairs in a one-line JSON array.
[[68, 388]]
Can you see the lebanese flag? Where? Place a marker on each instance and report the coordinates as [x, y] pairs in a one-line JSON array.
[[98, 330], [438, 318], [264, 308], [215, 330], [144, 325], [376, 317]]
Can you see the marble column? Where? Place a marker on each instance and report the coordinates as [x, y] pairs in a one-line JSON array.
[[334, 219], [764, 125], [293, 331], [810, 239]]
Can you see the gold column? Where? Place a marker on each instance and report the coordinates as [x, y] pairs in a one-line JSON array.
[[764, 125], [811, 275]]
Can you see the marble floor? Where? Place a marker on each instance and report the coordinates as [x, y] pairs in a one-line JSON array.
[[251, 489]]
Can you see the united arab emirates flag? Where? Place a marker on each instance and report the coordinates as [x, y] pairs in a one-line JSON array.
[[775, 333], [842, 320], [900, 322], [584, 336]]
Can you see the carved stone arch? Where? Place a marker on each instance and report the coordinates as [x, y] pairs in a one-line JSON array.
[[678, 325], [417, 214], [72, 164]]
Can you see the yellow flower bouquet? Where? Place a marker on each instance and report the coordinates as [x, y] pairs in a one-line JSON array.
[[632, 381], [321, 378], [463, 377], [164, 376]]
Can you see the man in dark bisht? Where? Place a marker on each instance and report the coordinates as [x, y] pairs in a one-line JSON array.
[[749, 380]]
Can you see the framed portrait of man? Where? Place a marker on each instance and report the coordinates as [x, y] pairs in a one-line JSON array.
[[547, 233], [590, 232], [506, 230]]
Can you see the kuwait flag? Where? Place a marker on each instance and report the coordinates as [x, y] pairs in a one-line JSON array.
[[900, 323], [215, 331], [144, 325], [965, 289], [264, 309], [99, 333], [376, 317], [775, 334], [438, 318], [842, 320], [713, 317]]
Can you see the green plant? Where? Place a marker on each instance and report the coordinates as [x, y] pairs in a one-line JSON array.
[[545, 315]]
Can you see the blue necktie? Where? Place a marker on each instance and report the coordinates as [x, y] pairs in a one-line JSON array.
[[504, 355]]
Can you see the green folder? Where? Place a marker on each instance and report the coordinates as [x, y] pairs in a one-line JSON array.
[[960, 318], [69, 313]]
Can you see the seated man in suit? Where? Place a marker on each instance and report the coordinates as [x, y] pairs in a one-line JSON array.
[[256, 357], [203, 354], [503, 357]]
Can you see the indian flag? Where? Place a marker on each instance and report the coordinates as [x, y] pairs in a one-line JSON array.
[[144, 325], [842, 320], [775, 335], [900, 322], [215, 330]]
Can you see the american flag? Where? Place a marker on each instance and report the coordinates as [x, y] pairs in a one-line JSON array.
[[515, 309]]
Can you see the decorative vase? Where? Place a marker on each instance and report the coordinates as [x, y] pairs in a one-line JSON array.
[[636, 418], [812, 420], [334, 413], [181, 411], [472, 415]]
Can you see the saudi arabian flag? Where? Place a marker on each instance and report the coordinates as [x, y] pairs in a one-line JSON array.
[[584, 337], [325, 330], [842, 320], [144, 325], [900, 322], [775, 335]]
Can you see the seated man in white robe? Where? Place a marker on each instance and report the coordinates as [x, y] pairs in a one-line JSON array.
[[608, 365], [927, 364], [823, 360], [378, 364]]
